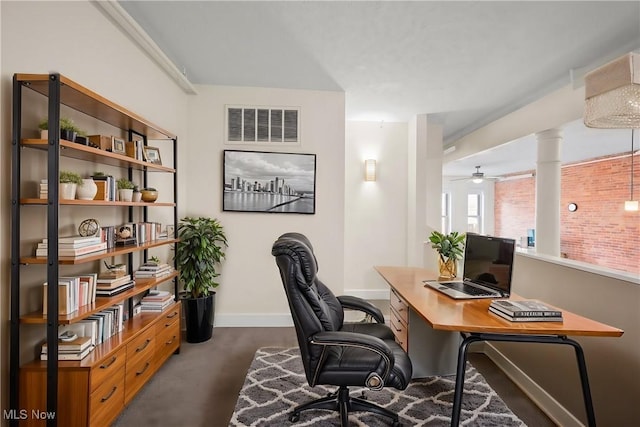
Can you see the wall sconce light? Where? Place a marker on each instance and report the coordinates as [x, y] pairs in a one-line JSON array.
[[370, 170], [631, 205], [612, 94]]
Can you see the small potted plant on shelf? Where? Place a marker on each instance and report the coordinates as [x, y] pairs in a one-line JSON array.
[[450, 248], [125, 190], [69, 182], [198, 253], [68, 129], [137, 194], [44, 128]]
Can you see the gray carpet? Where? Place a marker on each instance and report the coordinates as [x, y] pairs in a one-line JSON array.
[[275, 384]]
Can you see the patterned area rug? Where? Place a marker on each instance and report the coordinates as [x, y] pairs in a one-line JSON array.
[[275, 384]]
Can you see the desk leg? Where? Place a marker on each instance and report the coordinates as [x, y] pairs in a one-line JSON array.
[[460, 373], [544, 339]]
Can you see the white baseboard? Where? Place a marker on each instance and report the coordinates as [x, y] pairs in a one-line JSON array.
[[368, 294], [550, 406], [248, 320]]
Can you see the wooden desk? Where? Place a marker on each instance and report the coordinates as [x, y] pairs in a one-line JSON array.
[[472, 319]]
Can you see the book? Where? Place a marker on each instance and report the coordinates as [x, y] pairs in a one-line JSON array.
[[109, 292], [72, 245], [77, 345], [72, 252], [75, 239], [525, 308], [525, 318], [104, 282], [70, 356]]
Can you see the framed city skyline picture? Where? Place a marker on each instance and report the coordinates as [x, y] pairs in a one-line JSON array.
[[259, 181]]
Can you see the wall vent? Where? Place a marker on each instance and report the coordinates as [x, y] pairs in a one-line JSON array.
[[262, 125]]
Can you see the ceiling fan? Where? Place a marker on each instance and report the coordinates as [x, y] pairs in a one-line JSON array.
[[477, 177]]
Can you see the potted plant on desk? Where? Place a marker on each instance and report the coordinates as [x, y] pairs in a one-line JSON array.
[[450, 248], [198, 253]]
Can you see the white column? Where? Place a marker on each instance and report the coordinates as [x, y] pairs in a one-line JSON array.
[[424, 171], [548, 177]]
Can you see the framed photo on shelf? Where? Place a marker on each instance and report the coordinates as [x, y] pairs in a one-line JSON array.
[[257, 181], [117, 146], [152, 155]]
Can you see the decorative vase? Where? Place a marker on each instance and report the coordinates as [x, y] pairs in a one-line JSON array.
[[149, 196], [137, 196], [44, 134], [67, 190], [87, 190], [448, 268], [125, 194]]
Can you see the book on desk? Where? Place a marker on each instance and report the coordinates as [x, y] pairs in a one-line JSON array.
[[525, 311]]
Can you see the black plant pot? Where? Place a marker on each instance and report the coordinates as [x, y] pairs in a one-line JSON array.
[[198, 314]]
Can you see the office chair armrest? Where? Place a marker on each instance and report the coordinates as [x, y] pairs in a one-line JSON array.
[[355, 303], [353, 339]]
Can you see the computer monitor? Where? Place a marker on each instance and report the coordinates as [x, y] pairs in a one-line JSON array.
[[489, 261]]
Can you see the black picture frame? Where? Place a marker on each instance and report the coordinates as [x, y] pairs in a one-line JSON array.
[[269, 182]]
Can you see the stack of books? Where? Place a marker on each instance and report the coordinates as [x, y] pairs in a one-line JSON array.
[[76, 349], [525, 311], [44, 189], [152, 270], [108, 287], [72, 246], [156, 301]]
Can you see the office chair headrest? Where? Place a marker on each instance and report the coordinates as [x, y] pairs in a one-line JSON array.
[[301, 254]]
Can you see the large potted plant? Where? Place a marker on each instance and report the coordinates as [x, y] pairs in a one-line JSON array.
[[199, 251], [450, 248]]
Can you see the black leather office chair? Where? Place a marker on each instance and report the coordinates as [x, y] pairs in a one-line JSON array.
[[334, 352]]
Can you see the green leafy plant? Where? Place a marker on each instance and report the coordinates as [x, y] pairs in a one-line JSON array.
[[154, 259], [198, 253], [125, 184], [449, 246], [65, 124], [67, 177]]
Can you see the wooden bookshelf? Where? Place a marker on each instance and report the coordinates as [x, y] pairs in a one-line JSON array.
[[76, 202]]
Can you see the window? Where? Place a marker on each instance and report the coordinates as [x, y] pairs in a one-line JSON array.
[[446, 213], [262, 125], [474, 213]]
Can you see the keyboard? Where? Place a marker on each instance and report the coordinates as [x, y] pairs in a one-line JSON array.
[[467, 289]]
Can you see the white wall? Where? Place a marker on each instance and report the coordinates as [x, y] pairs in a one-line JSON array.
[[375, 212], [76, 40], [251, 290]]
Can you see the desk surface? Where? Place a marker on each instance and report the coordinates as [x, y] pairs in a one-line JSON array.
[[444, 313]]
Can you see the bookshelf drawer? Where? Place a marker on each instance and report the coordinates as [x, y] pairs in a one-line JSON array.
[[169, 320], [400, 306], [107, 400], [137, 374], [141, 347], [167, 342], [107, 367]]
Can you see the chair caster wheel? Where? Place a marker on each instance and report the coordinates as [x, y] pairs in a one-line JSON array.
[[294, 417]]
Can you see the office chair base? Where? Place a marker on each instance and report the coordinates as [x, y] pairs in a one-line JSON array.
[[341, 402]]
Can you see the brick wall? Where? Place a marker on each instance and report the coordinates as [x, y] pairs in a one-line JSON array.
[[600, 232]]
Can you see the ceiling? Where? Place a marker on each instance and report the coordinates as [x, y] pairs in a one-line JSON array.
[[463, 63]]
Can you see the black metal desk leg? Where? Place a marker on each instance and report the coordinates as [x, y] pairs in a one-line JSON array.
[[584, 379], [460, 372]]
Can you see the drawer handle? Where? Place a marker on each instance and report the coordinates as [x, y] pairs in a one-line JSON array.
[[170, 341], [394, 327], [143, 369], [172, 315], [146, 343], [106, 365], [166, 325], [107, 397]]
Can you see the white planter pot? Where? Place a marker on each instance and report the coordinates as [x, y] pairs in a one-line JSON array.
[[137, 196], [44, 134], [67, 190], [87, 190], [125, 194]]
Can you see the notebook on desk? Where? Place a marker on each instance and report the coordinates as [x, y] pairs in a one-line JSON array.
[[487, 269]]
